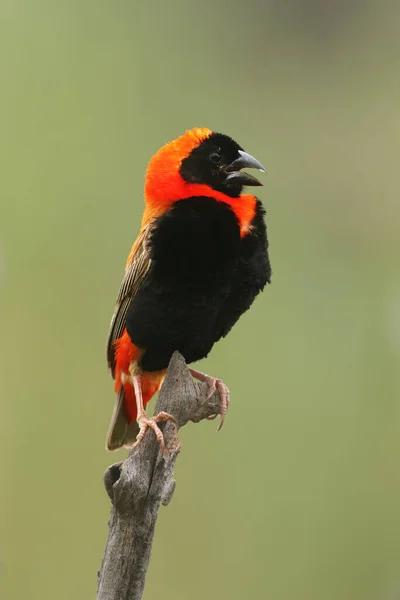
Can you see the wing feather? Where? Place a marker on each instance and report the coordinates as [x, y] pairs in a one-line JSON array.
[[136, 269]]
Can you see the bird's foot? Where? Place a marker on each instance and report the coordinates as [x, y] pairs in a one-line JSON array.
[[145, 422], [215, 384]]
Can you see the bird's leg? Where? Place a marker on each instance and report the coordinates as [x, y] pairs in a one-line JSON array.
[[145, 421], [215, 384]]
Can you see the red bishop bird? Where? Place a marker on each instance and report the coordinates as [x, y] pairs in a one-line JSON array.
[[200, 259]]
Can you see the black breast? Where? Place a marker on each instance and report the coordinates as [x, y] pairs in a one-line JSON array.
[[195, 288], [252, 273], [195, 246]]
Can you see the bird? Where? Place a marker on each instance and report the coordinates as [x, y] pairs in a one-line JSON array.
[[199, 261]]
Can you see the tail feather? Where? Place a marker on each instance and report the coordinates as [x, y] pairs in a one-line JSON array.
[[123, 427], [122, 430]]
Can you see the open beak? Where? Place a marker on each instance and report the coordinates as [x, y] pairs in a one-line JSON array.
[[245, 161]]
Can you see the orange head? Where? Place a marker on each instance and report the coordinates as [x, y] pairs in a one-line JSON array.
[[199, 163]]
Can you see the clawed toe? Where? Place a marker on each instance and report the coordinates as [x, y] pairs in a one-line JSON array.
[[145, 422], [224, 398], [213, 385]]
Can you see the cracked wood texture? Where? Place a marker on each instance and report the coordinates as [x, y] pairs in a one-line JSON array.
[[145, 480]]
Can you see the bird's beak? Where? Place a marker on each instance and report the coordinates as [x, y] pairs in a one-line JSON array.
[[245, 161]]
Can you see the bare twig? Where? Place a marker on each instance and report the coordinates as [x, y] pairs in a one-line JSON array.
[[142, 482]]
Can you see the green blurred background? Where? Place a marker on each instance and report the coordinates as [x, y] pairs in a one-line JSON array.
[[298, 498]]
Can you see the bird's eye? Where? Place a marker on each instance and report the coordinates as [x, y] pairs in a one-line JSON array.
[[215, 157]]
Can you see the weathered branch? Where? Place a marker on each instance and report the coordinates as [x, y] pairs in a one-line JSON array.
[[145, 480]]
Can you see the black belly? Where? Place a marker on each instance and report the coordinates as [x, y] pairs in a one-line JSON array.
[[196, 287]]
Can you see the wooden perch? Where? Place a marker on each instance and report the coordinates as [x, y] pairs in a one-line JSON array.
[[143, 481]]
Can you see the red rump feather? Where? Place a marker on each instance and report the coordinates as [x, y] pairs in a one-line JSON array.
[[126, 352]]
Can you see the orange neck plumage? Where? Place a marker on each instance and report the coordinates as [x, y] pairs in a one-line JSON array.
[[165, 185]]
